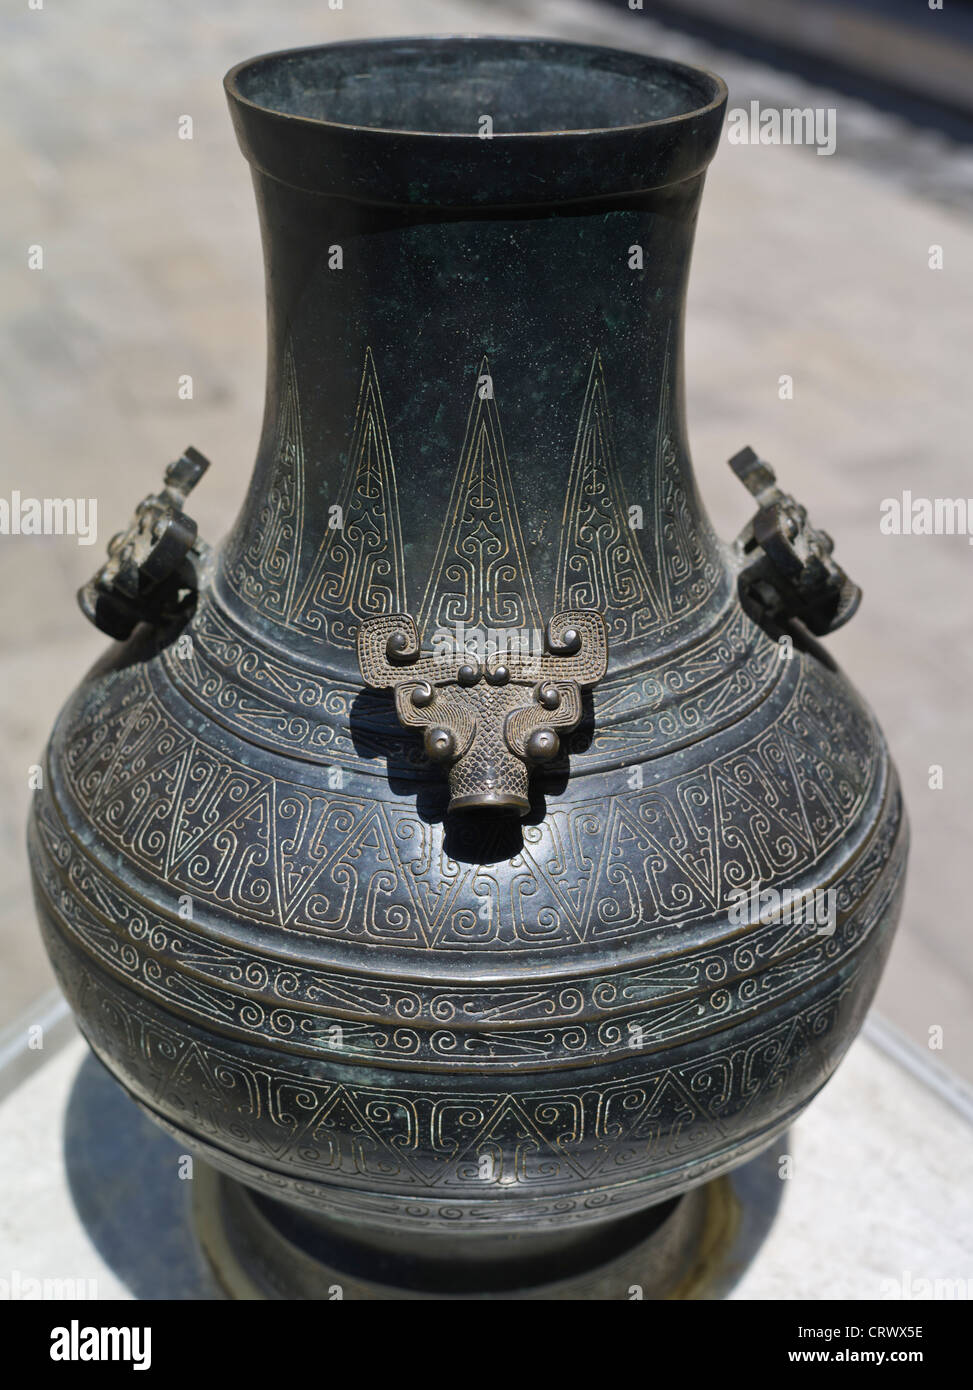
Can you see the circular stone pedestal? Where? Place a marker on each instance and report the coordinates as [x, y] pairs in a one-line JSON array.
[[261, 1249]]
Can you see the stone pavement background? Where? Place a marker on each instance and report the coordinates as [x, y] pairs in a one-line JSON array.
[[808, 266]]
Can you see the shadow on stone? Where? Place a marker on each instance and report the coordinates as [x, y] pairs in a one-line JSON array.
[[123, 1174], [759, 1191]]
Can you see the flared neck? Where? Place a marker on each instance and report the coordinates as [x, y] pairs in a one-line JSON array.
[[474, 414]]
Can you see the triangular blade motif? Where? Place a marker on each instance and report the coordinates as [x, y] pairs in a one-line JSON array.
[[295, 1108], [658, 862], [685, 544], [839, 728], [360, 891], [480, 576], [141, 811], [213, 791], [131, 781], [682, 875], [764, 775], [616, 895], [433, 879], [212, 1084], [310, 832], [569, 1124], [600, 564], [560, 853], [499, 914], [409, 1124], [758, 845], [91, 750], [508, 1148], [782, 1052], [343, 1140], [826, 795], [235, 862], [358, 571], [672, 1122], [265, 573]]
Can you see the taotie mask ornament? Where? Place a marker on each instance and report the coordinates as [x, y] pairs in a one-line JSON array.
[[489, 721]]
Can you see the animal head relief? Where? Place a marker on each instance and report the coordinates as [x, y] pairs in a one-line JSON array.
[[487, 721]]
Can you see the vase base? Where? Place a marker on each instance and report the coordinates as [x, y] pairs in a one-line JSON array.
[[260, 1250]]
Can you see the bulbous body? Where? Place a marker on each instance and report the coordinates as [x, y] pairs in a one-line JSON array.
[[419, 1024]]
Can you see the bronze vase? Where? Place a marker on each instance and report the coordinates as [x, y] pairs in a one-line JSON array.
[[442, 856]]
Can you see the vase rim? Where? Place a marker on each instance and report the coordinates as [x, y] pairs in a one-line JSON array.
[[307, 117], [628, 64]]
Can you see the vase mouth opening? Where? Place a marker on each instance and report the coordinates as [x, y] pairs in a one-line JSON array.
[[474, 87]]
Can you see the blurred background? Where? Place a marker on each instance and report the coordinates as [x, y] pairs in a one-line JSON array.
[[819, 268]]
